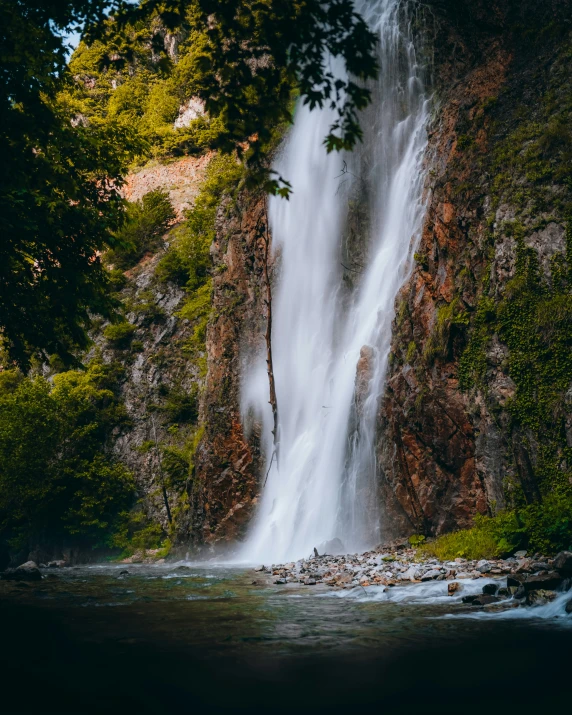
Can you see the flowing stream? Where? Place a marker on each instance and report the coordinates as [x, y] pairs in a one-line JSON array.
[[343, 244]]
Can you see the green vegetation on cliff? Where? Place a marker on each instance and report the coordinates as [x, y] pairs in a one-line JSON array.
[[530, 314]]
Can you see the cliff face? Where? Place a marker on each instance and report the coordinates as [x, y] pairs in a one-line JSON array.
[[456, 437], [471, 420], [228, 464]]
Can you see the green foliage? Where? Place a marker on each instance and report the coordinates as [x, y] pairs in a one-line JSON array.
[[450, 318], [181, 406], [56, 476], [187, 261], [59, 187], [119, 334], [544, 528], [137, 533], [245, 59], [146, 221], [417, 540]]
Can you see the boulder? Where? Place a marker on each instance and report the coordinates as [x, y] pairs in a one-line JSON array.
[[470, 599], [333, 547], [28, 571], [59, 564], [547, 580], [485, 599], [563, 562], [514, 580], [520, 592], [568, 607], [490, 589], [540, 597]]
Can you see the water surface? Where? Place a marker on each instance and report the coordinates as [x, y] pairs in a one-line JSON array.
[[204, 639]]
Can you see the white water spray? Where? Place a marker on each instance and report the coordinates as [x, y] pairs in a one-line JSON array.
[[334, 301]]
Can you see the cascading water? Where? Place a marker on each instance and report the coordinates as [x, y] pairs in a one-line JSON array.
[[334, 305]]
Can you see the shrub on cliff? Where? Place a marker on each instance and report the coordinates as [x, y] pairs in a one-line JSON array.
[[146, 221]]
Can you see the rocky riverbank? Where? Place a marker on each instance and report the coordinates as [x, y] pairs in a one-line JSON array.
[[522, 578]]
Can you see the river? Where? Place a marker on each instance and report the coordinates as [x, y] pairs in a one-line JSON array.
[[202, 638]]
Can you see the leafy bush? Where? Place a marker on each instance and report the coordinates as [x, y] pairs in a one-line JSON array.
[[56, 476], [120, 334], [146, 221], [181, 406], [137, 533], [544, 527]]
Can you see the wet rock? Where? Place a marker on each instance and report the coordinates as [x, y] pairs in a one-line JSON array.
[[430, 575], [261, 568], [280, 581], [540, 597], [563, 562], [520, 593], [453, 588], [59, 564], [568, 607], [485, 600], [333, 547], [503, 592], [514, 580], [470, 599], [490, 589], [28, 571], [546, 580]]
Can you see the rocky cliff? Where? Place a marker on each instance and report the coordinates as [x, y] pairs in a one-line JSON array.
[[456, 433], [475, 415]]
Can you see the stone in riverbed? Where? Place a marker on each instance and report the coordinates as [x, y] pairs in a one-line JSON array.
[[485, 599], [430, 575], [60, 564], [453, 587], [546, 580], [568, 607], [563, 562], [540, 597], [470, 599], [28, 571], [490, 589], [484, 567]]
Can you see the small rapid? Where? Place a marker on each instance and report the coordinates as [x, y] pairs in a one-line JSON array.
[[343, 244]]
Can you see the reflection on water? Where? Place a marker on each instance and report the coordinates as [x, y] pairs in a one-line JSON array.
[[158, 639]]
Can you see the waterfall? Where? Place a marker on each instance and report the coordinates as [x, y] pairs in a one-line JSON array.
[[343, 244]]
